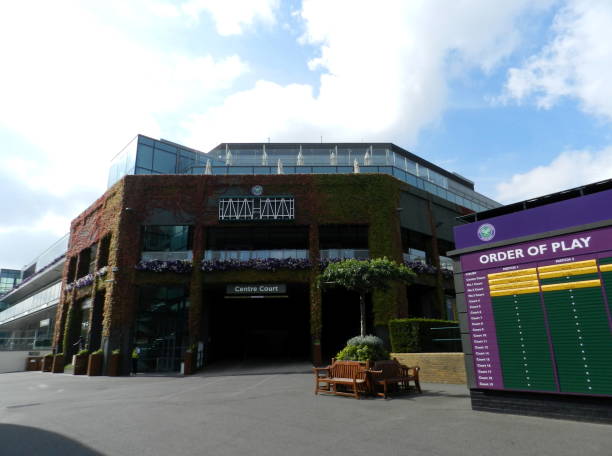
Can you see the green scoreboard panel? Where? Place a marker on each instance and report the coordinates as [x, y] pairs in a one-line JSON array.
[[543, 327]]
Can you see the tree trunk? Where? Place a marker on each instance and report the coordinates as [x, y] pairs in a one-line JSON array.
[[363, 315]]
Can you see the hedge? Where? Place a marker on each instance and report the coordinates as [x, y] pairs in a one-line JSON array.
[[414, 335]]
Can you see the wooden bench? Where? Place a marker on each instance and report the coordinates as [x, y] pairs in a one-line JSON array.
[[350, 375], [391, 372]]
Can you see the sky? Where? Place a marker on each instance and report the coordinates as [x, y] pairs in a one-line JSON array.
[[513, 94]]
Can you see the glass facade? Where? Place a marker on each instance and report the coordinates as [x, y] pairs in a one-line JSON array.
[[145, 155], [8, 279]]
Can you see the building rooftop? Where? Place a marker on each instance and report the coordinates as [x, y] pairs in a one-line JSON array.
[[144, 155]]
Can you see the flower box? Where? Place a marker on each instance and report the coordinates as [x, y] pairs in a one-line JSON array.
[[94, 365], [58, 364]]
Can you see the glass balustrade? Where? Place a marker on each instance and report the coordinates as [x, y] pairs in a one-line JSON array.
[[343, 254], [245, 255]]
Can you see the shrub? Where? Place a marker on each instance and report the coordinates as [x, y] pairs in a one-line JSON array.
[[414, 335], [59, 354], [98, 352], [83, 352], [49, 355], [363, 348], [116, 351]]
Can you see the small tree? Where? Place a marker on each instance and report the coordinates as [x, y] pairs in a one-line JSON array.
[[364, 277]]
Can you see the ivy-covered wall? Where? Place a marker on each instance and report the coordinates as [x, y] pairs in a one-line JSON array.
[[370, 199]]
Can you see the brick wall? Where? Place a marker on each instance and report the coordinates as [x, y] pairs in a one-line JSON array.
[[436, 367]]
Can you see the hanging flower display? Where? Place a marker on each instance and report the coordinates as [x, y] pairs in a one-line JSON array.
[[263, 264], [178, 266]]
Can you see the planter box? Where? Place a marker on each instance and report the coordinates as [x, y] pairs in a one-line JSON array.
[[80, 364], [33, 363], [189, 363], [94, 366], [114, 363], [58, 364], [47, 363]]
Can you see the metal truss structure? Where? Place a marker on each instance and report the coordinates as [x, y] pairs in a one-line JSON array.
[[256, 208]]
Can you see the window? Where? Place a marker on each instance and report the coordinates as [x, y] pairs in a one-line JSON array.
[[104, 251], [84, 262], [343, 237], [257, 238], [167, 238]]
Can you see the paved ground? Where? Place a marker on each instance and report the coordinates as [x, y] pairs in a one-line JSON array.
[[263, 414]]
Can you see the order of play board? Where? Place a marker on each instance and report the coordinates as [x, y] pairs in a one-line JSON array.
[[539, 314]]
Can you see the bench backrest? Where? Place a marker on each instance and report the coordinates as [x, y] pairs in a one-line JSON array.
[[389, 368], [347, 369]]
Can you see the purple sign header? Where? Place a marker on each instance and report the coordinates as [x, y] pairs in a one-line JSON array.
[[563, 214], [540, 250]]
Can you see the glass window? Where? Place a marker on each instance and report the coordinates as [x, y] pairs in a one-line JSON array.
[[167, 238], [240, 170], [186, 161], [164, 162], [166, 147], [144, 156]]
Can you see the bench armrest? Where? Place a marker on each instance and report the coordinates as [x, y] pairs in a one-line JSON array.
[[316, 370]]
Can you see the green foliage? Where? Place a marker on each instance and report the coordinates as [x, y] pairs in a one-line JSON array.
[[414, 335], [83, 352], [49, 355], [98, 352], [59, 354], [116, 351], [366, 276], [363, 348]]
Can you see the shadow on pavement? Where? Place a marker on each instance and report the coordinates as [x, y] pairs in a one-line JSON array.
[[18, 440]]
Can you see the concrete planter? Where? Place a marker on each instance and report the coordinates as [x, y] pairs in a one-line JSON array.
[[58, 364], [94, 366], [47, 363], [80, 364], [114, 363]]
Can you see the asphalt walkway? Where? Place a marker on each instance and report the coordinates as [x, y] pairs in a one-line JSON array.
[[263, 413]]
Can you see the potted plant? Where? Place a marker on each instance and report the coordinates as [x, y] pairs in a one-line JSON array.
[[58, 364], [47, 363], [94, 366], [365, 349], [113, 363], [80, 362]]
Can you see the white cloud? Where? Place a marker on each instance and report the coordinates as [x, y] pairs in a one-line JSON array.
[[569, 169], [576, 63], [230, 16], [76, 89], [384, 71], [79, 89]]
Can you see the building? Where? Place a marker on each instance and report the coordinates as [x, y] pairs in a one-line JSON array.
[[534, 292], [27, 314], [220, 251]]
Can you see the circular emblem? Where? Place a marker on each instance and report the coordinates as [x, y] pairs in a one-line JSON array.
[[257, 190], [486, 232]]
